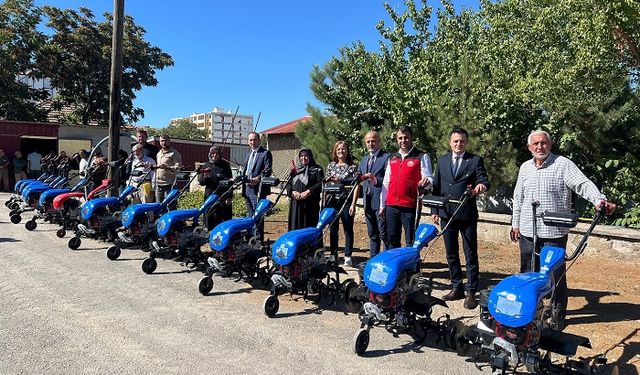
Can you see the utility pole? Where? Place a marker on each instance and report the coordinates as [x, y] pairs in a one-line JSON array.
[[116, 87]]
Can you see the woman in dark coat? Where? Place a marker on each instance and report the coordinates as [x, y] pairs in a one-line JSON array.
[[219, 170], [306, 187]]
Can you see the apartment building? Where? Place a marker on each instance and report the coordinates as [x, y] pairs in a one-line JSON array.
[[222, 126]]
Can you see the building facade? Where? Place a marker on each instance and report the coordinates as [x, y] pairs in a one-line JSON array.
[[222, 126], [283, 144]]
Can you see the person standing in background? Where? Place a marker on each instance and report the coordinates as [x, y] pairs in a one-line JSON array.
[[407, 170], [4, 171], [19, 166], [372, 167], [456, 171], [219, 170], [306, 187], [34, 164], [342, 170], [257, 164], [169, 162]]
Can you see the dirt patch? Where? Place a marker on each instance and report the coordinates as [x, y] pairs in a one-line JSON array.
[[604, 293]]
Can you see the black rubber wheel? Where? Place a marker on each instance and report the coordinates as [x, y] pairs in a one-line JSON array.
[[7, 203], [113, 252], [74, 243], [30, 225], [462, 340], [361, 341], [61, 233], [205, 285], [353, 305], [16, 218], [14, 206], [271, 306], [149, 265]]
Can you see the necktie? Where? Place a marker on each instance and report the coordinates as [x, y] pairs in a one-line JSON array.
[[251, 162], [456, 165], [370, 163]]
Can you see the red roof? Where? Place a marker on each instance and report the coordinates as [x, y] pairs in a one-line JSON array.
[[287, 127]]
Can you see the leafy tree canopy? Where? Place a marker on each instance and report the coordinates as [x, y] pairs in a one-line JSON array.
[[570, 67], [183, 129], [74, 53], [19, 45]]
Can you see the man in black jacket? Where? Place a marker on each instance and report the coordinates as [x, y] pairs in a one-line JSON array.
[[455, 171], [257, 164], [219, 170]]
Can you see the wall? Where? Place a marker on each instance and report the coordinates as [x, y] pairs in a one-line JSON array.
[[284, 148]]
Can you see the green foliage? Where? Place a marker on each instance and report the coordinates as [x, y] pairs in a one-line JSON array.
[[194, 199], [20, 44], [191, 199], [77, 60], [316, 134], [570, 67], [183, 129]]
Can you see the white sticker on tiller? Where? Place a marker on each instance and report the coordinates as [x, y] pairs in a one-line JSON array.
[[509, 306], [282, 251], [548, 258], [378, 276]]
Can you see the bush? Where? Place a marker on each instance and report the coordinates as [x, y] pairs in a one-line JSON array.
[[194, 199], [191, 199]]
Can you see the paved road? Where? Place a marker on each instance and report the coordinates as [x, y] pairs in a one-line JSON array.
[[76, 312]]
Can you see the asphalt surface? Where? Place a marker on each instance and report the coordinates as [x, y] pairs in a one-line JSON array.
[[76, 312]]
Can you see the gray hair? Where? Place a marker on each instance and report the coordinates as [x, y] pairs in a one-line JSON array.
[[538, 132]]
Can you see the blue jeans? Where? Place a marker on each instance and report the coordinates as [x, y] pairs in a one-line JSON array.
[[252, 201], [347, 224], [397, 218], [161, 193]]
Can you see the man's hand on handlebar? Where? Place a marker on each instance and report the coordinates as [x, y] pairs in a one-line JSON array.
[[609, 207], [424, 182], [479, 189], [436, 219]]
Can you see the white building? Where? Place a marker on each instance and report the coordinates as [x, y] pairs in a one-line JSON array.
[[219, 124]]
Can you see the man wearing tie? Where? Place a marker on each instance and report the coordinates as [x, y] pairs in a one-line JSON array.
[[455, 171], [372, 166], [257, 165]]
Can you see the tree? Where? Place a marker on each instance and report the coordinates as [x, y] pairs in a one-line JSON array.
[[183, 129], [570, 67], [20, 43], [77, 59], [315, 133]]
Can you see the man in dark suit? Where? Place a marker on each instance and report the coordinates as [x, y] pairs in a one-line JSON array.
[[373, 165], [455, 171], [257, 164]]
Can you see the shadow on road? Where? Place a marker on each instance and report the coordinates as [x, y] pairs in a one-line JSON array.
[[9, 240], [596, 311]]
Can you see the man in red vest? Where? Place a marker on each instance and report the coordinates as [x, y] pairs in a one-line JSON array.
[[406, 170]]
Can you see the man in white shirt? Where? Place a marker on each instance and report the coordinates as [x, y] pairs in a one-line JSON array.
[[143, 164], [34, 160]]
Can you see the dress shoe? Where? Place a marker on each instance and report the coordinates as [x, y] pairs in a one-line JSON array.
[[470, 302], [453, 295]]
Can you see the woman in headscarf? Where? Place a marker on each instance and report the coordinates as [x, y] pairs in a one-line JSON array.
[[306, 187], [219, 170]]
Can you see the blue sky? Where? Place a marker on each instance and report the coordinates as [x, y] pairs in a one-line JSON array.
[[252, 54]]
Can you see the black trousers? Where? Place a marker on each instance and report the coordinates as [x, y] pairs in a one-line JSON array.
[[468, 230], [560, 295], [397, 218]]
